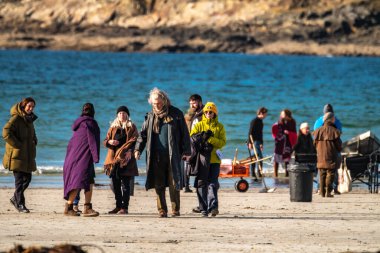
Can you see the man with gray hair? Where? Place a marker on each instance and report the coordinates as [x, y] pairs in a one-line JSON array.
[[167, 141], [328, 144]]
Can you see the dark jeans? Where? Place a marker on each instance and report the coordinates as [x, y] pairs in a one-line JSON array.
[[122, 190], [22, 180], [208, 194], [77, 199], [260, 155], [163, 176]]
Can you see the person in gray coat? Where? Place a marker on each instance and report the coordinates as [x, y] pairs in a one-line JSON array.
[[166, 138]]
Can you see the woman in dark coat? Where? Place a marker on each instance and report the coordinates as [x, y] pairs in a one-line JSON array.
[[285, 136], [20, 149], [305, 143], [82, 153], [120, 164]]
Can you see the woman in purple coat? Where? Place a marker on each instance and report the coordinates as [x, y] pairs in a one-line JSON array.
[[82, 153]]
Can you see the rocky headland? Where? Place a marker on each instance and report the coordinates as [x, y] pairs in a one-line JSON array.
[[316, 27]]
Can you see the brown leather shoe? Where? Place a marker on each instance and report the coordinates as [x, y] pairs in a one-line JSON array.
[[88, 211], [114, 211], [69, 210], [162, 214]]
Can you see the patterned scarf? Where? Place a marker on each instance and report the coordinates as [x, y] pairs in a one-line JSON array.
[[162, 114]]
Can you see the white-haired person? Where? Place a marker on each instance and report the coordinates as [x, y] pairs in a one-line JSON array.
[[166, 138], [304, 144]]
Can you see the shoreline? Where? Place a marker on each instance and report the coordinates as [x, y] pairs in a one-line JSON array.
[[163, 44], [247, 222]]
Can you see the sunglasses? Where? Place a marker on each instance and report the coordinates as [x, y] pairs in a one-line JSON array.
[[208, 112]]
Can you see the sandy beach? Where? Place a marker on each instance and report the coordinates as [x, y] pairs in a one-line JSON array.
[[248, 222]]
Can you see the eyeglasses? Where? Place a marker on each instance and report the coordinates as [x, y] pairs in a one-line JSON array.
[[208, 112]]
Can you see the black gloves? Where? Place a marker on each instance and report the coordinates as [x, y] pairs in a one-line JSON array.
[[206, 135]]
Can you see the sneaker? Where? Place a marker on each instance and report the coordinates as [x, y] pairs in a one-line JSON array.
[[122, 211], [196, 210], [214, 212], [114, 211]]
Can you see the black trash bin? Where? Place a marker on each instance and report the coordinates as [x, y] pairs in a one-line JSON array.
[[301, 182]]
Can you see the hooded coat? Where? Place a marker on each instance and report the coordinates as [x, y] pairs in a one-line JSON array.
[[179, 145], [20, 141], [82, 152], [328, 144]]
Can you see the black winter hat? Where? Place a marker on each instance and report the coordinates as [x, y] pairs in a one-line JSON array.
[[328, 108], [122, 108]]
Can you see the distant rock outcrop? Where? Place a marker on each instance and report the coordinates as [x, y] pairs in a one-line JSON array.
[[336, 27]]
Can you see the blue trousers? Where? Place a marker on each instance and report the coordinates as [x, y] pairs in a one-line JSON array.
[[208, 194]]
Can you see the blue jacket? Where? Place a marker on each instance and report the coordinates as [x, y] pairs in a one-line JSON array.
[[319, 122]]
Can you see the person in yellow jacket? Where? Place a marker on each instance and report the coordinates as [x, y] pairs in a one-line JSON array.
[[207, 187]]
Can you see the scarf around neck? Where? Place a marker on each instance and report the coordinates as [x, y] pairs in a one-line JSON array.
[[158, 115]]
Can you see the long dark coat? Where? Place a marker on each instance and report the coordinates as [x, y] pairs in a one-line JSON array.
[[20, 142], [179, 145], [82, 152]]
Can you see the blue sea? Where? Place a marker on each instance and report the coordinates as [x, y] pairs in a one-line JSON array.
[[61, 82]]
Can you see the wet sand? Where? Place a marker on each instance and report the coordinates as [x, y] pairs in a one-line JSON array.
[[248, 222]]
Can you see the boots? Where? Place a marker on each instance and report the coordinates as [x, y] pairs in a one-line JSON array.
[[69, 211], [88, 211]]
